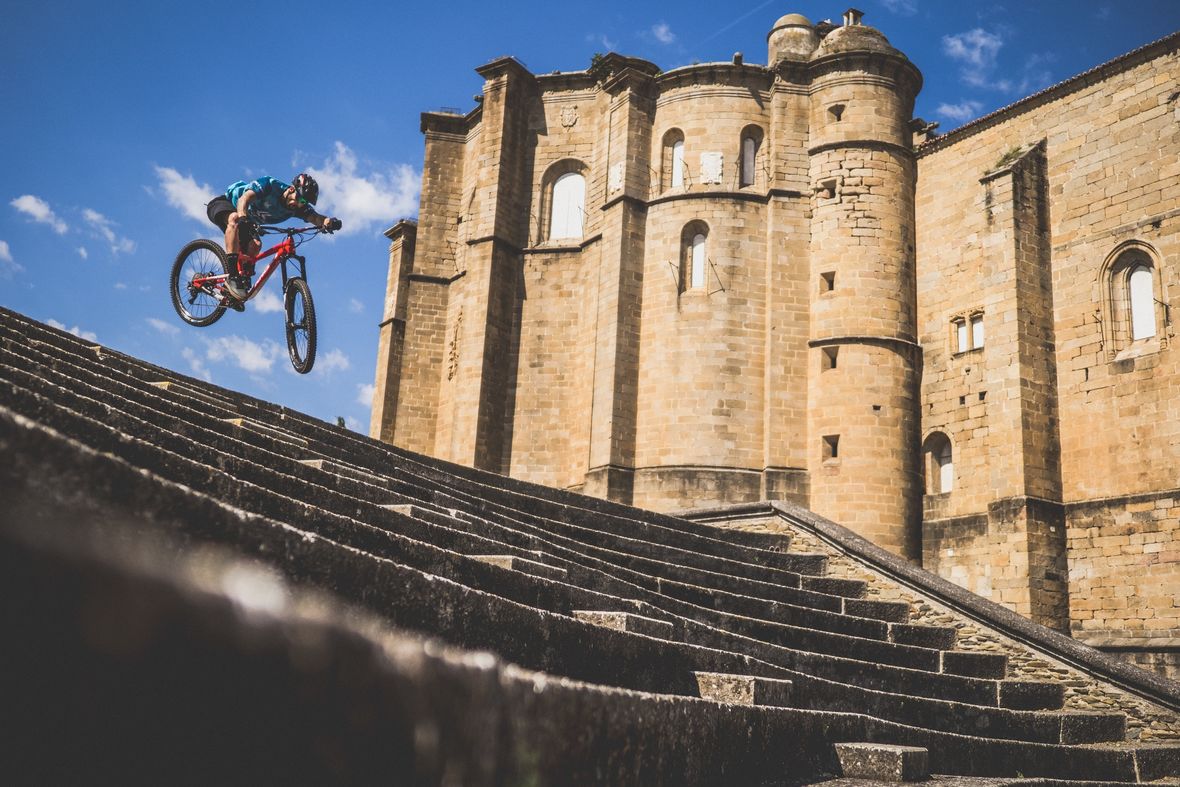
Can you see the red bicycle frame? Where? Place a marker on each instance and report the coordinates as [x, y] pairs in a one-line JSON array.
[[282, 251]]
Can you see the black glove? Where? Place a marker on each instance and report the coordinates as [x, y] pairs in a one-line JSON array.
[[333, 225]]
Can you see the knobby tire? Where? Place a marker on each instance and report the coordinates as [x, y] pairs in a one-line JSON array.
[[201, 257], [300, 313]]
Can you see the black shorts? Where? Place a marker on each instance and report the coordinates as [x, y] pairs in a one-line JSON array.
[[219, 210]]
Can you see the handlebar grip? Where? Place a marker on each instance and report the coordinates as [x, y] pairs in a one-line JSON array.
[[334, 224]]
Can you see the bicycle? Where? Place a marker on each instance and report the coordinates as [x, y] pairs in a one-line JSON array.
[[198, 290]]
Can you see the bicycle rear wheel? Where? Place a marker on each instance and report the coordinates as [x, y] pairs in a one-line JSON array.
[[300, 325], [199, 306]]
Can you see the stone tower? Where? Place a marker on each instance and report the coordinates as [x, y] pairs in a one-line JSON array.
[[864, 360]]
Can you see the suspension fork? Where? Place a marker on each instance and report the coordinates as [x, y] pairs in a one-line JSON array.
[[298, 264]]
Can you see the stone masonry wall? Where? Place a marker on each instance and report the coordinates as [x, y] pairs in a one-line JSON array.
[[1111, 159]]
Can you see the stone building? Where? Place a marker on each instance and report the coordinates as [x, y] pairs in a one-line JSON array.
[[732, 282]]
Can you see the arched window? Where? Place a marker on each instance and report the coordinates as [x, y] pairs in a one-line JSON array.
[[939, 464], [569, 206], [694, 255], [751, 145], [1142, 303], [672, 160], [1132, 300]]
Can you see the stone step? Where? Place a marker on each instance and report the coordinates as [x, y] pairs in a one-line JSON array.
[[1089, 727], [346, 470], [625, 621], [274, 434], [836, 586], [1030, 695], [191, 392], [517, 563], [937, 637], [883, 762], [891, 611], [744, 689], [973, 664]]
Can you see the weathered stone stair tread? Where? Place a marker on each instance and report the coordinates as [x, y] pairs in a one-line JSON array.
[[937, 637], [883, 762], [624, 621], [339, 468], [516, 563], [275, 434], [744, 689], [974, 664], [177, 389]]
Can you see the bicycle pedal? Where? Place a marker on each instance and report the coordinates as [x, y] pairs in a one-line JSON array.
[[233, 303]]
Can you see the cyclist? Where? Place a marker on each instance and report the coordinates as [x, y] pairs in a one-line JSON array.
[[264, 200]]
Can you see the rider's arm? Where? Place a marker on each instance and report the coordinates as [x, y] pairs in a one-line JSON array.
[[245, 200], [311, 217]]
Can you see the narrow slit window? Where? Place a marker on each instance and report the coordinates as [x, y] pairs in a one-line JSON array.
[[1142, 303], [678, 163], [698, 261], [946, 468], [749, 155], [827, 281], [830, 355]]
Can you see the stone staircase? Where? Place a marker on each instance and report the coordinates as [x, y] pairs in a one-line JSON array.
[[664, 635]]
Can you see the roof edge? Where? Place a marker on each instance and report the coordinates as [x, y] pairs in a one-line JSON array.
[[1148, 51]]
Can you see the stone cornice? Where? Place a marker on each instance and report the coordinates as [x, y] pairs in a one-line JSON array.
[[407, 227], [444, 124], [863, 144], [503, 66], [744, 75]]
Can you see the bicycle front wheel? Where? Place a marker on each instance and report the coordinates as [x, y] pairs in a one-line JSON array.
[[197, 304], [300, 325]]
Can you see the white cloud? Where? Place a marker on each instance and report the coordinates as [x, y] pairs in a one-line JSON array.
[[961, 112], [184, 193], [597, 38], [8, 265], [81, 334], [83, 253], [355, 306], [977, 51], [246, 354], [663, 33], [39, 211], [196, 364], [120, 285], [160, 326], [332, 361], [353, 424], [903, 7], [361, 200], [267, 302], [364, 394], [104, 228]]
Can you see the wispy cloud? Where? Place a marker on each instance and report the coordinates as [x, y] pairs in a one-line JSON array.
[[355, 306], [184, 193], [903, 7], [8, 265], [197, 364], [361, 200], [39, 211], [733, 23], [104, 228], [247, 354], [364, 394], [81, 334], [267, 302], [83, 253], [663, 32], [976, 51], [600, 39], [961, 112], [332, 361], [160, 326]]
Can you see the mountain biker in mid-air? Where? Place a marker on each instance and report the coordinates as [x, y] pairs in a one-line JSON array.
[[264, 200]]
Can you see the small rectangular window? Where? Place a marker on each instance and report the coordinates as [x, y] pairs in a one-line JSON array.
[[977, 331], [829, 358], [827, 281], [831, 446], [962, 342]]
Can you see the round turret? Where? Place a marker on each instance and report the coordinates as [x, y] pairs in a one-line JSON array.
[[855, 38], [793, 37]]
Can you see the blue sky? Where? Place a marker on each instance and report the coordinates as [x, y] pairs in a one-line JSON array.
[[121, 118]]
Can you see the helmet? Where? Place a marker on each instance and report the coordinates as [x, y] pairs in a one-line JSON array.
[[306, 187]]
